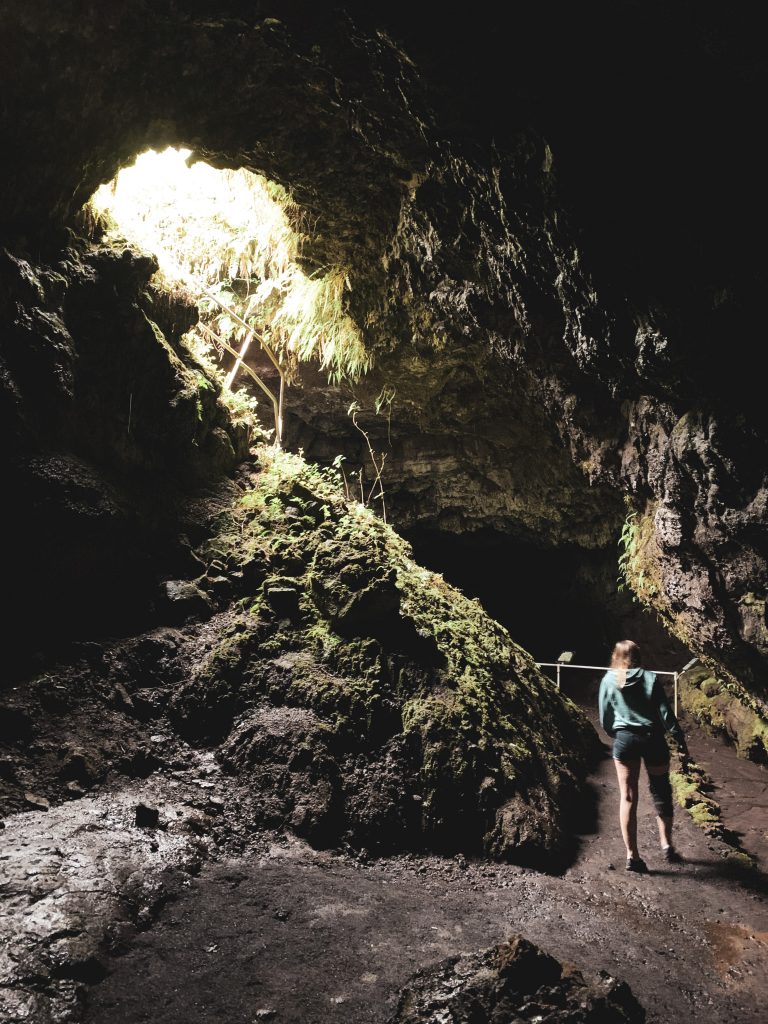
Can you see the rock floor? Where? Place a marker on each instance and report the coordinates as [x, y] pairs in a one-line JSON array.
[[294, 935], [107, 922]]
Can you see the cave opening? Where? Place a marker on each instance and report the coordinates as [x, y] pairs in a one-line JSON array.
[[231, 243]]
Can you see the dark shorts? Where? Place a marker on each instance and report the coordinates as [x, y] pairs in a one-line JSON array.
[[650, 745]]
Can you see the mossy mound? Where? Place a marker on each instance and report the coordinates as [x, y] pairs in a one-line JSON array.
[[692, 786], [421, 722]]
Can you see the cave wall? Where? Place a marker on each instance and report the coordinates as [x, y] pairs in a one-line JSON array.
[[544, 364], [108, 430]]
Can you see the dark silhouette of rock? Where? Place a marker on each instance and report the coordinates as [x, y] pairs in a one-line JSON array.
[[147, 817], [514, 981]]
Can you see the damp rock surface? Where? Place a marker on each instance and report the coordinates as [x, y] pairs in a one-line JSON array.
[[513, 980]]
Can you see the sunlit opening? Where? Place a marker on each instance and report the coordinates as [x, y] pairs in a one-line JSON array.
[[231, 239]]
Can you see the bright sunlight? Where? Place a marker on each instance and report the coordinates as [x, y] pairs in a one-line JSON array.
[[231, 239]]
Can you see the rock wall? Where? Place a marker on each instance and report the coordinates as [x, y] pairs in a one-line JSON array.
[[108, 429]]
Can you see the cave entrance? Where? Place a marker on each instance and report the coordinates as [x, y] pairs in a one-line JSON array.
[[231, 242]]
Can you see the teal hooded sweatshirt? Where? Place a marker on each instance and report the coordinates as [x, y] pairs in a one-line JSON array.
[[640, 703]]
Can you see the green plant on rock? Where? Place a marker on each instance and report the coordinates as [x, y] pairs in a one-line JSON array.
[[635, 544], [722, 706], [691, 786], [627, 547]]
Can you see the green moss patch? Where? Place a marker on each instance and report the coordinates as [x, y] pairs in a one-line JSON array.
[[691, 787], [724, 708]]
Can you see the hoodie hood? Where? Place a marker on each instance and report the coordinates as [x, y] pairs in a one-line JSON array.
[[637, 679], [634, 676]]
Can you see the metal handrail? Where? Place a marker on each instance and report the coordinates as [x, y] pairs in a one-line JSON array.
[[603, 668], [595, 668]]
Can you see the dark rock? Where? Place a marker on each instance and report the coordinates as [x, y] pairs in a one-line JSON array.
[[197, 822], [185, 599], [515, 980], [146, 816], [284, 602], [78, 766], [140, 763], [15, 724], [121, 698], [284, 755]]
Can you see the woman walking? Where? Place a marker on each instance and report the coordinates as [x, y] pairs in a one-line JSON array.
[[635, 712]]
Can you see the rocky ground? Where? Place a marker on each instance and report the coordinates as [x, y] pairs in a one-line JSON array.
[[191, 917]]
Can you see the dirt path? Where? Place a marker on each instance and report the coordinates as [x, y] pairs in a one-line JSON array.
[[292, 935]]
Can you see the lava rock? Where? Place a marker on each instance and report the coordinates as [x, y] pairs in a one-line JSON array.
[[38, 803], [146, 816], [511, 981], [184, 599], [284, 602], [284, 754], [78, 767]]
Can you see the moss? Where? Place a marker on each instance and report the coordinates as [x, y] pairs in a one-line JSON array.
[[639, 559], [691, 786], [380, 647], [714, 697], [742, 858], [722, 706]]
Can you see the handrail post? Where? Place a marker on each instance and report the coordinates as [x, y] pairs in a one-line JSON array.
[[558, 675], [676, 675]]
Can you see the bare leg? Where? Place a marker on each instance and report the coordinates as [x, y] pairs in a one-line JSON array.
[[663, 821], [628, 775]]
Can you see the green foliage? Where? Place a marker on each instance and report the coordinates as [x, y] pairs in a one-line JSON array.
[[627, 547], [691, 786], [723, 707], [635, 557]]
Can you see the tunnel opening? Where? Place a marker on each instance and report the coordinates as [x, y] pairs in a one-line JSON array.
[[551, 599], [231, 243]]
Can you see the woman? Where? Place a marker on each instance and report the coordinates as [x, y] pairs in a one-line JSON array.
[[634, 711]]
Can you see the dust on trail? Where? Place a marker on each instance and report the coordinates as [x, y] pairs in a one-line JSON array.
[[291, 934]]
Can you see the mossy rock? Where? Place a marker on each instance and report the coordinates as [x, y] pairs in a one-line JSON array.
[[443, 732], [724, 708]]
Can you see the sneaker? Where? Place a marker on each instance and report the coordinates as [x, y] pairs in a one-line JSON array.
[[671, 856], [637, 864]]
